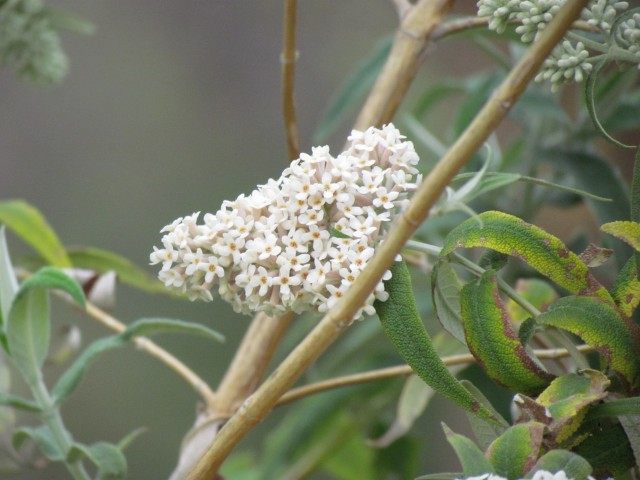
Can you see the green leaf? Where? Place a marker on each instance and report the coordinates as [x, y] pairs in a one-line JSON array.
[[516, 450], [471, 457], [635, 199], [631, 426], [44, 440], [589, 90], [18, 402], [492, 341], [28, 331], [440, 476], [608, 452], [8, 279], [53, 278], [28, 223], [616, 408], [107, 457], [353, 89], [541, 250], [334, 232], [574, 466], [485, 432], [128, 273], [154, 326], [600, 325], [446, 287], [626, 231], [404, 328], [626, 289], [72, 377], [568, 399]]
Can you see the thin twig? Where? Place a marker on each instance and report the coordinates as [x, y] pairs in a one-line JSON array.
[[288, 58], [469, 23], [402, 371], [335, 322]]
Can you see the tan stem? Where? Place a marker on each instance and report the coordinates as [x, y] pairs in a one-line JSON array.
[[334, 323], [394, 80], [249, 363], [401, 371], [288, 59]]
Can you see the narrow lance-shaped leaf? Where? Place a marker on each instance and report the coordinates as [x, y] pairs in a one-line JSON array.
[[43, 438], [28, 223], [28, 332], [600, 325], [516, 450], [541, 250], [404, 328], [8, 280], [18, 402], [471, 457], [72, 377], [635, 199], [493, 342], [626, 289], [624, 230], [53, 278], [445, 292], [484, 431]]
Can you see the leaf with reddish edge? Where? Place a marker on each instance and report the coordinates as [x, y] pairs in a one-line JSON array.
[[491, 339], [547, 254], [514, 452], [600, 325]]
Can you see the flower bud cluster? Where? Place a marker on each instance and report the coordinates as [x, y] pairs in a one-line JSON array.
[[538, 475], [627, 35], [296, 243], [567, 63]]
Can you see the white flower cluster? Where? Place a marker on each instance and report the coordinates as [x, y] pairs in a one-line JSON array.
[[602, 13], [568, 63], [296, 243], [539, 475]]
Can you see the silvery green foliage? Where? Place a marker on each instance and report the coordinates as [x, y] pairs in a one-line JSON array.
[[572, 60], [296, 243], [29, 42]]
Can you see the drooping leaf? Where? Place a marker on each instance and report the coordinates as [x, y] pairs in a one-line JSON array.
[[416, 395], [404, 328], [28, 331], [28, 223], [104, 261], [574, 466], [18, 402], [446, 287], [107, 457], [353, 89], [616, 408], [608, 452], [568, 399], [516, 450], [8, 279], [491, 339], [470, 456], [541, 250], [72, 377], [44, 440], [626, 289], [589, 90], [154, 326], [600, 325], [53, 278], [485, 432]]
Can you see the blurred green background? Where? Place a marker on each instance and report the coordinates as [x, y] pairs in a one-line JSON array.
[[169, 108]]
